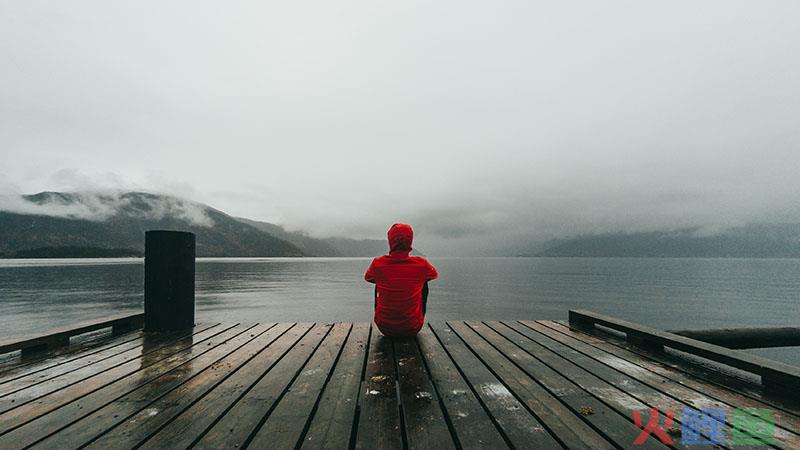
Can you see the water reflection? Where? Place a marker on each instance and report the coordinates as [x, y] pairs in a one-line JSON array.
[[150, 348]]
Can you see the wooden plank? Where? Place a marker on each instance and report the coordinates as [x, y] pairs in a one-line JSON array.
[[285, 425], [379, 418], [75, 408], [332, 423], [696, 399], [473, 427], [712, 383], [520, 427], [29, 393], [750, 337], [187, 417], [53, 400], [9, 386], [12, 368], [425, 423], [614, 397], [143, 400], [774, 375], [563, 420], [616, 383], [239, 423], [307, 390], [59, 336], [556, 418], [681, 370], [660, 362]]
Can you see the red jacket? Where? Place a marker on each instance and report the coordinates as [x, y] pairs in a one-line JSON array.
[[399, 279]]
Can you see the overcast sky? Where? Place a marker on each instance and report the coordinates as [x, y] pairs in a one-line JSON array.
[[476, 121]]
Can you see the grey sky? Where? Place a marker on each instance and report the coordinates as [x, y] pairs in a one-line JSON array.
[[478, 122]]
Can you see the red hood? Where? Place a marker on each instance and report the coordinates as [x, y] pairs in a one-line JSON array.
[[400, 237]]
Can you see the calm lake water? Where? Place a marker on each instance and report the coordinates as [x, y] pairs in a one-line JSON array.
[[36, 295]]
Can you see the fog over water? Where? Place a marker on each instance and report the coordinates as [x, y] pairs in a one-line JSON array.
[[482, 124]]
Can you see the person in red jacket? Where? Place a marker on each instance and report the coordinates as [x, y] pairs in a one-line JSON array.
[[401, 285]]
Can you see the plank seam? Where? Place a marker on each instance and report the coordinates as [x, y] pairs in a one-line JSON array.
[[503, 382], [360, 398], [229, 407], [700, 377], [445, 413], [80, 367], [87, 365], [100, 387], [99, 347], [611, 407], [694, 390], [132, 390], [566, 405], [286, 389], [214, 422], [474, 392], [403, 431], [631, 394], [314, 409], [647, 384]]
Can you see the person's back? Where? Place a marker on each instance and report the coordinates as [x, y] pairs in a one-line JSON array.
[[400, 280]]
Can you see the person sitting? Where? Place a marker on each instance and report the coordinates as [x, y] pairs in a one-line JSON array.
[[401, 285]]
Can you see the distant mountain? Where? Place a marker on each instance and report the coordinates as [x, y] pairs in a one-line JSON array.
[[331, 246], [77, 252], [753, 241], [309, 245], [54, 220], [361, 247]]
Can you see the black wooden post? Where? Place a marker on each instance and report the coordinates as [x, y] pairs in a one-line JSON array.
[[580, 321], [168, 280]]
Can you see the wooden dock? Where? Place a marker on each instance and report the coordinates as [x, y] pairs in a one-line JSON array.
[[459, 384]]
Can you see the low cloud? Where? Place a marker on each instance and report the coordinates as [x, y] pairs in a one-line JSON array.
[[101, 206], [552, 121]]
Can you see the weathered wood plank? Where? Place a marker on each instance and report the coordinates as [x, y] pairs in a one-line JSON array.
[[42, 405], [520, 427], [679, 374], [696, 399], [66, 408], [677, 364], [751, 337], [379, 419], [562, 423], [332, 424], [12, 368], [425, 424], [27, 392], [491, 385], [192, 422], [569, 420], [609, 385], [614, 397], [774, 375], [614, 423], [240, 422], [11, 385], [60, 336], [284, 426], [473, 427], [145, 403]]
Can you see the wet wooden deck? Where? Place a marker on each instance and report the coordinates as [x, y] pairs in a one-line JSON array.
[[470, 385]]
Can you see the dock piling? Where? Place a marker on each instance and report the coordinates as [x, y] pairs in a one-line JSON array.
[[169, 280]]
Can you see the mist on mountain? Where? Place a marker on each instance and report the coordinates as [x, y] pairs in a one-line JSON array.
[[98, 224]]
